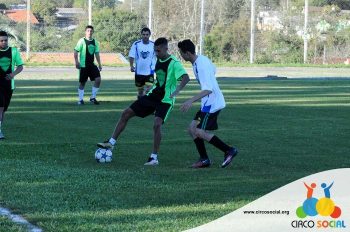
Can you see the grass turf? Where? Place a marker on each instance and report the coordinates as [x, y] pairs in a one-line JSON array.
[[284, 130]]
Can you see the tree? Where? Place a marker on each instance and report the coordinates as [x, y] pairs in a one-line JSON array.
[[116, 30], [228, 42], [64, 3], [342, 4], [105, 3], [45, 10]]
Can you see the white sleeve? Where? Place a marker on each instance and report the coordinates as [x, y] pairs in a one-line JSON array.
[[132, 52]]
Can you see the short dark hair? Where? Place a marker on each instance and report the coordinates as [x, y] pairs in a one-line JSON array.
[[161, 41], [3, 33], [146, 29], [89, 26], [187, 46]]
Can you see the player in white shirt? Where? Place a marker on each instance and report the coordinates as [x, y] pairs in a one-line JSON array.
[[142, 54], [212, 101]]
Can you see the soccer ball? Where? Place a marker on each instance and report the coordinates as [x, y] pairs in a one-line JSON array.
[[103, 155]]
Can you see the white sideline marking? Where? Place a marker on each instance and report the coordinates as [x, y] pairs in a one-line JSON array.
[[19, 220]]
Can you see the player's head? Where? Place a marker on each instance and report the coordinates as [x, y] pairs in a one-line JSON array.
[[4, 38], [145, 34], [161, 48], [89, 30], [187, 49]]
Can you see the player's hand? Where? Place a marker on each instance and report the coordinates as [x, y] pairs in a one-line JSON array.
[[186, 106], [100, 68], [77, 65], [9, 76], [132, 69]]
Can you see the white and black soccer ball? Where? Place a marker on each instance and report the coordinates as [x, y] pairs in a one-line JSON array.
[[103, 155]]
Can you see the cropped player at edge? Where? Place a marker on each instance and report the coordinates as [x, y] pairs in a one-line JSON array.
[[10, 65], [159, 100], [212, 102]]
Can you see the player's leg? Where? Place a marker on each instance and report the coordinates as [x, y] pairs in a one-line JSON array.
[[162, 111], [96, 77], [209, 122], [140, 84], [82, 81], [157, 137], [119, 128], [138, 108], [1, 120], [204, 160], [148, 84], [5, 99]]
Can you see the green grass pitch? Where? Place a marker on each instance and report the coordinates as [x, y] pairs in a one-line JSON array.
[[284, 129]]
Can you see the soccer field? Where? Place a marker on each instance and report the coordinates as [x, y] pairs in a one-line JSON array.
[[284, 129]]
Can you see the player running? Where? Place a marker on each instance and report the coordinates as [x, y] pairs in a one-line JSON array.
[[212, 102]]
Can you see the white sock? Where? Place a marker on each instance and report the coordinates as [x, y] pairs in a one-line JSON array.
[[81, 94], [154, 156], [94, 92], [112, 141]]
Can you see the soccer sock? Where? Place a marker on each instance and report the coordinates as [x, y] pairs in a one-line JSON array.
[[81, 94], [112, 141], [201, 148], [219, 144], [154, 156], [0, 125], [94, 92]]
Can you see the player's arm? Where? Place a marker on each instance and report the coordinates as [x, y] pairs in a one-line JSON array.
[[184, 80], [97, 54], [77, 64], [188, 104], [131, 62], [132, 54], [18, 69]]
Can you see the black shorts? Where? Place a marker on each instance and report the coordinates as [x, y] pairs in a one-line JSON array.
[[147, 105], [207, 121], [140, 80], [5, 97], [91, 72]]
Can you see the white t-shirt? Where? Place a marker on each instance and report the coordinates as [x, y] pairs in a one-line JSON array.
[[145, 59], [205, 71]]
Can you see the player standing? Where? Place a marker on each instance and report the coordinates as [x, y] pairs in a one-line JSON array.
[[212, 102], [142, 54], [11, 64], [88, 48]]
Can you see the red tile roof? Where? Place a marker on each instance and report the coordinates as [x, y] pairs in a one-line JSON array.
[[20, 16]]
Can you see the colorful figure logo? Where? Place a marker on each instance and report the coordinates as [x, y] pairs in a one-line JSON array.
[[313, 206]]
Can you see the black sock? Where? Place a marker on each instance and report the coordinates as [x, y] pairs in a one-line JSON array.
[[201, 148], [219, 144]]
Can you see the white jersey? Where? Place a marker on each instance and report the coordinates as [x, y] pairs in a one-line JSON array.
[[205, 71], [145, 59]]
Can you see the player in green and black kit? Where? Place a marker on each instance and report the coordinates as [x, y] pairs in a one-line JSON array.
[[10, 65], [88, 49], [158, 101]]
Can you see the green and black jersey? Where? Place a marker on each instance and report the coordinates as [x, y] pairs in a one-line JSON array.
[[87, 49], [9, 59], [168, 72]]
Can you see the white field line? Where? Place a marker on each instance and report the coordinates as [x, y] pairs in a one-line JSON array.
[[19, 220]]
